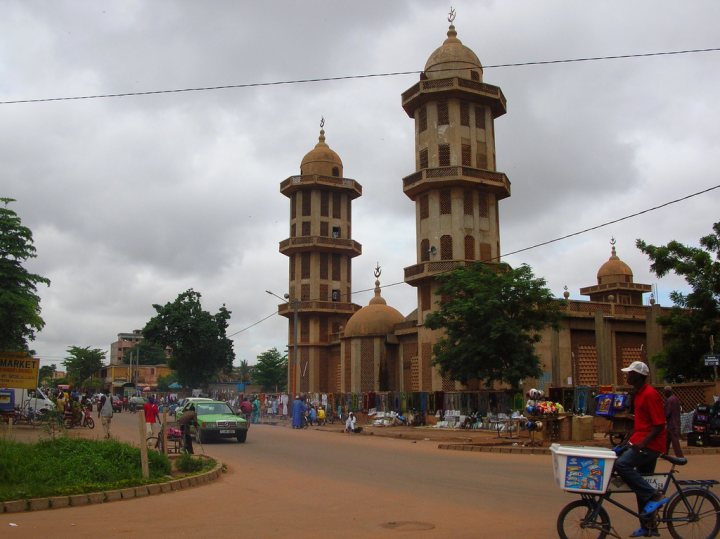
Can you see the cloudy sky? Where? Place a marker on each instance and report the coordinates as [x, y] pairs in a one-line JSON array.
[[133, 200]]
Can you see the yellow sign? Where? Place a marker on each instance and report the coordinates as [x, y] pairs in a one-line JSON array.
[[18, 370]]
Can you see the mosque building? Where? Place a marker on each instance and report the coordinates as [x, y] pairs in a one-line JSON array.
[[337, 346]]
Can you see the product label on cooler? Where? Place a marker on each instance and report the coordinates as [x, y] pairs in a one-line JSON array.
[[584, 473]]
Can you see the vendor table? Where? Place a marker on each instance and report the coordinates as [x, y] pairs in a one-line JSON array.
[[510, 425]]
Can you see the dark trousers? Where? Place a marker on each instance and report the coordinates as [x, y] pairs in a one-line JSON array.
[[673, 436], [187, 439], [630, 466]]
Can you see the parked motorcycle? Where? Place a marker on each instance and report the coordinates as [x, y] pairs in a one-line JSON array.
[[85, 420]]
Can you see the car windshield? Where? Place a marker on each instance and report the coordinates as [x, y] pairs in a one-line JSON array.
[[206, 408]]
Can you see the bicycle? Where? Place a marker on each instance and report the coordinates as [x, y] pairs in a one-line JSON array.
[[174, 440], [693, 509]]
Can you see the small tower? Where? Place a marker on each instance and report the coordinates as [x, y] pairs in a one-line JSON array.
[[615, 283], [320, 251], [456, 187]]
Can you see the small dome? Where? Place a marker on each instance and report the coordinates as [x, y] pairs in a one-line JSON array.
[[453, 59], [322, 160], [614, 270], [378, 318]]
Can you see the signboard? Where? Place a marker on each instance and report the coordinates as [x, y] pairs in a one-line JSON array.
[[711, 360], [18, 370]]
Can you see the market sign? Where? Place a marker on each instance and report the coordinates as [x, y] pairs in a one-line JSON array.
[[18, 370], [712, 360]]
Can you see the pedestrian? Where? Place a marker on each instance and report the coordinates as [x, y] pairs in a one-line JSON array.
[[298, 412], [321, 415], [672, 417], [152, 415], [246, 408], [186, 420], [256, 410], [350, 423], [646, 443], [106, 413], [313, 415]]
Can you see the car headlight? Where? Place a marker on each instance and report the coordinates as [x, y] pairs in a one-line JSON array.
[[208, 424]]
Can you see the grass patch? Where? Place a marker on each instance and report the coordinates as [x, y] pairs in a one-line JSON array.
[[72, 466], [189, 464]]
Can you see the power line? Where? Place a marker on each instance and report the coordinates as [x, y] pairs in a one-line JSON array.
[[535, 246], [348, 77]]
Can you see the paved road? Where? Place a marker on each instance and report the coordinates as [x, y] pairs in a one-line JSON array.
[[308, 483]]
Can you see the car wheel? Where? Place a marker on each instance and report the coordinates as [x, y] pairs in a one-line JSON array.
[[242, 436]]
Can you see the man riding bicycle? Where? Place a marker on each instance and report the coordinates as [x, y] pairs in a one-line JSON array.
[[647, 441]]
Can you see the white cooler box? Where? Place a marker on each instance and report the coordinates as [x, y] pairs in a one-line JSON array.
[[582, 469]]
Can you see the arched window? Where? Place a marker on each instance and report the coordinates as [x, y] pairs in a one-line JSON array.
[[424, 250], [446, 250], [469, 248], [336, 171], [485, 252], [474, 75]]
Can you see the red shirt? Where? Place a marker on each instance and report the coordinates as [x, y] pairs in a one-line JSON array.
[[152, 411], [649, 412]]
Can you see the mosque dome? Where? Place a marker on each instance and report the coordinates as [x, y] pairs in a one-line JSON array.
[[614, 270], [322, 160], [377, 318], [453, 59]]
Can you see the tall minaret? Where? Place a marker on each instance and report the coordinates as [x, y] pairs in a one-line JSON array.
[[321, 250], [456, 187]]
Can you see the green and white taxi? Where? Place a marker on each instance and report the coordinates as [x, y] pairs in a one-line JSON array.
[[217, 420]]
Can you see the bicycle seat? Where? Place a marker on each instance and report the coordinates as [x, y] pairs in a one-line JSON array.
[[680, 461]]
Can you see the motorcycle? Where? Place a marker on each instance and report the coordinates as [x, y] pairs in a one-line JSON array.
[[84, 420]]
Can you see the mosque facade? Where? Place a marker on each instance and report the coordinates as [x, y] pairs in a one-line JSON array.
[[335, 346]]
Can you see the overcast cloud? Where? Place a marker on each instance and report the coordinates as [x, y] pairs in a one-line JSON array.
[[133, 200]]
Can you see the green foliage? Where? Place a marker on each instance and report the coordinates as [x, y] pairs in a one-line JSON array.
[[47, 372], [164, 382], [19, 302], [270, 371], [189, 464], [82, 363], [245, 371], [491, 315], [197, 338], [67, 466], [147, 352], [695, 318]]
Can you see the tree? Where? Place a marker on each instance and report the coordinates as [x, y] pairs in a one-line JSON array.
[[164, 382], [47, 372], [147, 352], [491, 316], [694, 320], [244, 371], [82, 363], [270, 371], [197, 338], [19, 302]]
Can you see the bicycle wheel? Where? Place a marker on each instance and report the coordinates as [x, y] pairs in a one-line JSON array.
[[573, 521], [90, 422], [694, 514]]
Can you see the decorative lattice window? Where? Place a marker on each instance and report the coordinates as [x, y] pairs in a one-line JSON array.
[[305, 266], [425, 301], [469, 248], [324, 292], [336, 172], [485, 252], [292, 267], [480, 117], [474, 75], [304, 336], [323, 265], [336, 232], [424, 207], [306, 228], [445, 202], [446, 248], [348, 210], [305, 292], [426, 368], [422, 119], [324, 229], [464, 113], [424, 250], [481, 156], [423, 158], [323, 329], [324, 203], [335, 267], [442, 112], [444, 155], [483, 204], [468, 196], [306, 203], [466, 154], [336, 210]]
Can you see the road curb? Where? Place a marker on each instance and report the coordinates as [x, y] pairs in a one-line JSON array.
[[75, 500]]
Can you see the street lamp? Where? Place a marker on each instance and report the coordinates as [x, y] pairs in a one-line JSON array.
[[295, 304]]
